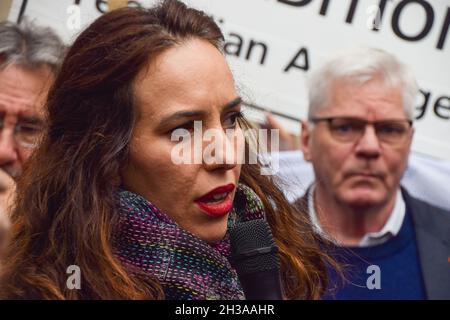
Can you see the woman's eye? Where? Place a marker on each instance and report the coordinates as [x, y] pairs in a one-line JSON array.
[[188, 126], [231, 121]]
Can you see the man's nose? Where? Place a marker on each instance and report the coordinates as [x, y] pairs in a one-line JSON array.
[[368, 145], [8, 150]]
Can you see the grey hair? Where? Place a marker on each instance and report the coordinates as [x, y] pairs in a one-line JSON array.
[[360, 65], [30, 46]]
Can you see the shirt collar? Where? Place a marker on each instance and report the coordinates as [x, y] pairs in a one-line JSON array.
[[389, 230]]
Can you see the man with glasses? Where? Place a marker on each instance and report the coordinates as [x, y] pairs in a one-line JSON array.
[[29, 58], [358, 138]]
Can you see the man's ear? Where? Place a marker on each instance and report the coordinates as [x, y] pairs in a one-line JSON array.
[[411, 138], [305, 140]]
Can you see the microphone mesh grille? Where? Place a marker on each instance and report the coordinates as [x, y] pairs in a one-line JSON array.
[[249, 236]]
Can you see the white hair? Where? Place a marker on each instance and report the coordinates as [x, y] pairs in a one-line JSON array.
[[360, 65], [30, 46]]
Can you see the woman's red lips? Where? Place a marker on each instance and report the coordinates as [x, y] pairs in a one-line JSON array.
[[218, 201]]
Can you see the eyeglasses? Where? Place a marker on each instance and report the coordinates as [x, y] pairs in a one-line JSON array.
[[348, 129], [26, 135]]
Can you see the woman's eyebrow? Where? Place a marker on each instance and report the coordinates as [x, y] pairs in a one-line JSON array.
[[180, 115], [191, 114], [231, 104]]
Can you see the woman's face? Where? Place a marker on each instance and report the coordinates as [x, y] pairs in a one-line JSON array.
[[187, 83]]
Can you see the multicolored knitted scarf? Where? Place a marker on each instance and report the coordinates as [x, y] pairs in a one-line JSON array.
[[187, 267]]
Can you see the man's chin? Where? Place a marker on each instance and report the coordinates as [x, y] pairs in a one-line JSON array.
[[361, 197]]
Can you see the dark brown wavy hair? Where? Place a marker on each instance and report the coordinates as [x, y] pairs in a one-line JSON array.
[[65, 212]]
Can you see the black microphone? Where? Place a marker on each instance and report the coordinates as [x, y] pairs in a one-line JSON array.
[[254, 255]]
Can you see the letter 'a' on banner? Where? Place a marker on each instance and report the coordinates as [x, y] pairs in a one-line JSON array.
[[5, 6], [116, 4]]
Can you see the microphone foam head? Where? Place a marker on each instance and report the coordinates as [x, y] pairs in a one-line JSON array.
[[253, 248]]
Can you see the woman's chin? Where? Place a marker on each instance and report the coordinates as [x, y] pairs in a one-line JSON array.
[[214, 232]]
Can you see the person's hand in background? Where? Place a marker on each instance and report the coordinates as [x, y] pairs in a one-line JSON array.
[[288, 141], [7, 188]]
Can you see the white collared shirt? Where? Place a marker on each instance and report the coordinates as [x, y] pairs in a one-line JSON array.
[[389, 230]]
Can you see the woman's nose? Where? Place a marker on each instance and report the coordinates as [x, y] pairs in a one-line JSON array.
[[222, 149]]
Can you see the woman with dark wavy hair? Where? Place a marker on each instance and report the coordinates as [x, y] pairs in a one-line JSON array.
[[102, 191]]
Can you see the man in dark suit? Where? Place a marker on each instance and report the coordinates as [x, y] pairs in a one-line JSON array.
[[358, 137]]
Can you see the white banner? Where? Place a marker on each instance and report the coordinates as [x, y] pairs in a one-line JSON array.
[[271, 45]]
